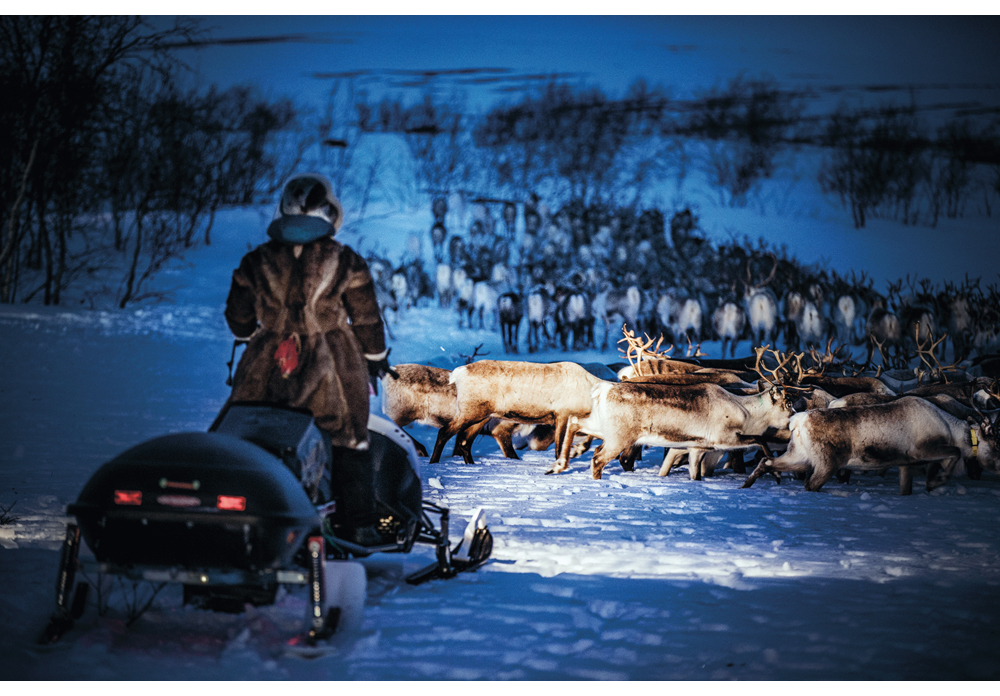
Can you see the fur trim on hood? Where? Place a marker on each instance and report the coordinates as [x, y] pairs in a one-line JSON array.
[[309, 195]]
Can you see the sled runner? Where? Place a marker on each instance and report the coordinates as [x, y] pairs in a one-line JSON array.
[[251, 505]]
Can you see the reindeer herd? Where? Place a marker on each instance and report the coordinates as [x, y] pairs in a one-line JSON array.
[[801, 407], [814, 414], [572, 276], [779, 305]]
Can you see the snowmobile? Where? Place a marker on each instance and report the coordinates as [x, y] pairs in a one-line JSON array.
[[236, 512]]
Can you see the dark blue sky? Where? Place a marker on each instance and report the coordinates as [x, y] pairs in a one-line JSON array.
[[684, 53]]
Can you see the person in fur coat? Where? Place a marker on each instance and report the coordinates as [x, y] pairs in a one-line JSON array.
[[307, 304]]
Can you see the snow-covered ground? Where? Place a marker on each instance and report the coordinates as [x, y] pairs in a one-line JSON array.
[[631, 577]]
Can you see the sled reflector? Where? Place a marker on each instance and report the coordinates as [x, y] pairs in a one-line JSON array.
[[178, 500], [128, 497], [232, 502]]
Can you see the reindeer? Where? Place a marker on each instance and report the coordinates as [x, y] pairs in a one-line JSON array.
[[438, 236], [903, 433], [445, 290], [400, 290], [956, 306], [573, 315], [655, 366], [625, 303], [847, 308], [701, 416], [463, 287], [794, 304], [422, 394], [511, 311], [916, 314], [509, 220], [484, 300], [884, 330], [692, 417], [539, 309], [439, 209], [838, 385], [761, 306], [680, 317], [380, 270], [548, 394], [810, 328], [728, 320], [458, 254]]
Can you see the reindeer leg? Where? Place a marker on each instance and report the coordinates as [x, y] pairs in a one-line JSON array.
[[502, 434], [421, 450], [565, 430], [905, 480], [938, 473], [602, 457], [581, 449], [761, 469], [973, 469], [670, 458], [444, 434], [709, 462], [465, 438], [816, 480], [695, 459], [736, 459]]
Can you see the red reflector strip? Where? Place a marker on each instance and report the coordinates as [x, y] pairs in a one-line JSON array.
[[128, 497], [232, 502]]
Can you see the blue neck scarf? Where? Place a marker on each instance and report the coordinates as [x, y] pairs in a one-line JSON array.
[[299, 229]]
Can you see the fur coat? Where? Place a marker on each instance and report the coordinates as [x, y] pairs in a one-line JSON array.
[[327, 297]]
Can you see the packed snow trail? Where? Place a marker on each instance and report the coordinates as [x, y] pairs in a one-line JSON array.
[[631, 577]]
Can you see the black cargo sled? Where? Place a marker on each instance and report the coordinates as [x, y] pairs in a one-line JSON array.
[[251, 505]]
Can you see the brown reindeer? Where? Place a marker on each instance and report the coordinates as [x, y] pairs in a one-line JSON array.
[[523, 392], [904, 432], [701, 416], [423, 395]]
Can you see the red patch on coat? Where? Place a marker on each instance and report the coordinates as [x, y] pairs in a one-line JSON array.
[[287, 355]]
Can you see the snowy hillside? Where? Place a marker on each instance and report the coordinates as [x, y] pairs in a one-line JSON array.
[[630, 577]]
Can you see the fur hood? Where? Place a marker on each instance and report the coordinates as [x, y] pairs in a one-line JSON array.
[[308, 210]]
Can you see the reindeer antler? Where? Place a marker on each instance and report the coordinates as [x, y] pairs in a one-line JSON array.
[[785, 378], [475, 353], [925, 350], [823, 360], [994, 390], [641, 349], [696, 350]]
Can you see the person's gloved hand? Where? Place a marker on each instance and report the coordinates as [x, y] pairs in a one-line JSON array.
[[377, 369]]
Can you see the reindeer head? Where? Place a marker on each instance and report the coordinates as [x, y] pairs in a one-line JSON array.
[[784, 380], [750, 288], [988, 447]]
